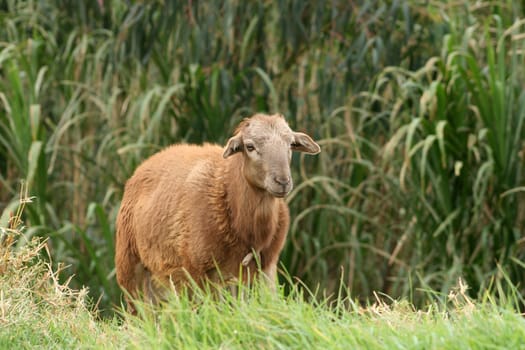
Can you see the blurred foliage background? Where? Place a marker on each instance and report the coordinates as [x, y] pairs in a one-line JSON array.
[[419, 107]]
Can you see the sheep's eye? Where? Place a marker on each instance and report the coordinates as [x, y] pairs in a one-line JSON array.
[[250, 148]]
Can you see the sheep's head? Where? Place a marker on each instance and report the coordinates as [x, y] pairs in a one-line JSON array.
[[266, 143]]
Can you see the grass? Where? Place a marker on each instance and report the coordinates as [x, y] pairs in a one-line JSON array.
[[36, 311], [418, 106], [268, 321]]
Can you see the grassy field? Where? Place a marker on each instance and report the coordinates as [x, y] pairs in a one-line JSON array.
[[418, 106], [36, 311]]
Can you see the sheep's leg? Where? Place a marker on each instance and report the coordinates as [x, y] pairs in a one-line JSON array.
[[129, 276], [251, 263], [270, 275], [270, 256], [270, 271], [148, 289]]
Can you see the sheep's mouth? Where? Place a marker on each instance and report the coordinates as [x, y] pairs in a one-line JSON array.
[[279, 194]]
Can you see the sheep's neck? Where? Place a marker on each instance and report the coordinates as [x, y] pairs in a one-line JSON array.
[[252, 211]]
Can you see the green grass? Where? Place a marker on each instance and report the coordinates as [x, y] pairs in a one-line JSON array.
[[418, 106], [267, 321], [36, 311]]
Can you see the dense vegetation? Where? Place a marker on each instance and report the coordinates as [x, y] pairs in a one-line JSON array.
[[419, 109]]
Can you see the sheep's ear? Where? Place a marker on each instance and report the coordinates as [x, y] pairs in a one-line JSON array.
[[233, 146], [304, 143]]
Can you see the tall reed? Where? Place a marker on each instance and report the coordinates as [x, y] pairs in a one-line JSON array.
[[418, 108]]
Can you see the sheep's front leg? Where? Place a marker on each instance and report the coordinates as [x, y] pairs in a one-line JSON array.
[[270, 259], [249, 265], [270, 255], [270, 274]]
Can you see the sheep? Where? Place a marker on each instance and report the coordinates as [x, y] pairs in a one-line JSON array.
[[201, 211]]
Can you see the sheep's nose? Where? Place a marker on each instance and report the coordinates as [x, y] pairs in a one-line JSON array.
[[282, 180]]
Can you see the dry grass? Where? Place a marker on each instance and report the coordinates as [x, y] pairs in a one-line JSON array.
[[36, 310]]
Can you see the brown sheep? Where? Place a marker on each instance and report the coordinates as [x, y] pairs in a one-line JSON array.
[[203, 211]]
